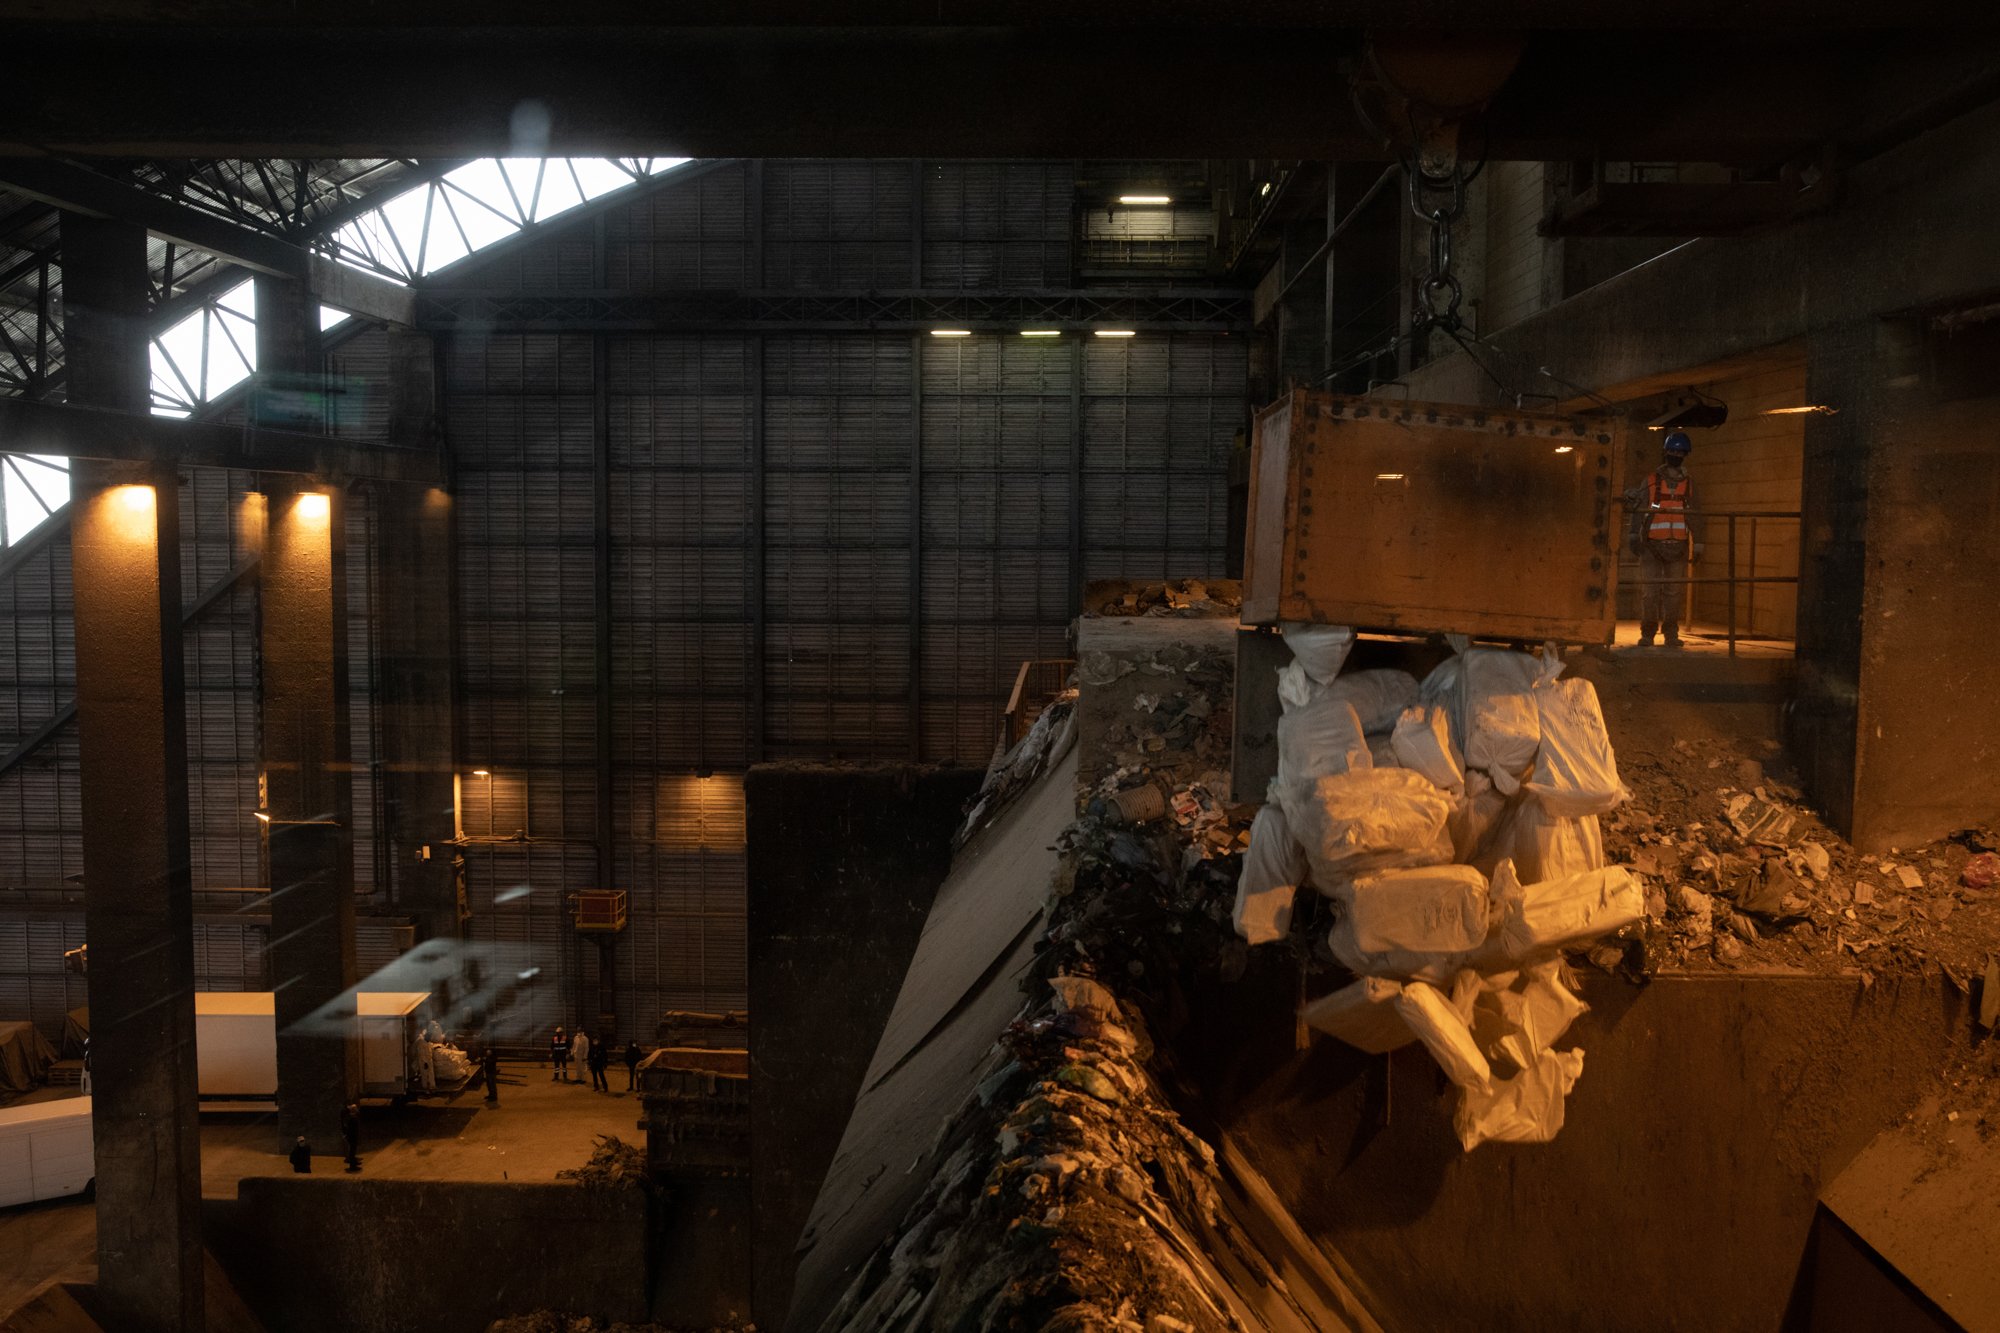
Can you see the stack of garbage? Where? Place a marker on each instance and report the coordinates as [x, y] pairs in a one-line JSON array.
[[1454, 827]]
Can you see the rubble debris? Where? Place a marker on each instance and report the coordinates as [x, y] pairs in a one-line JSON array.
[[551, 1321], [1758, 820], [1981, 872], [613, 1164]]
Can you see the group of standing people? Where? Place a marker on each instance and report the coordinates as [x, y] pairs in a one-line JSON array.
[[592, 1055]]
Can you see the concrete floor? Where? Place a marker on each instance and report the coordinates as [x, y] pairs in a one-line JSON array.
[[1701, 637], [539, 1128]]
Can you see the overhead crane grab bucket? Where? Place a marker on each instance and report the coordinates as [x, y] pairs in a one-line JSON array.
[[1417, 517]]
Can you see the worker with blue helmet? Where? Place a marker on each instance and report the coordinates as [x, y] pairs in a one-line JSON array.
[[1666, 537]]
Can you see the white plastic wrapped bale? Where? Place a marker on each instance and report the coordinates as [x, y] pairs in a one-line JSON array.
[[1422, 743], [1417, 922], [1273, 868], [1536, 920], [1379, 696], [1320, 738], [1527, 1108], [1364, 1015], [1477, 820], [1445, 1034], [1517, 1015], [1320, 649], [1575, 773], [1365, 821], [1487, 691], [1543, 846]]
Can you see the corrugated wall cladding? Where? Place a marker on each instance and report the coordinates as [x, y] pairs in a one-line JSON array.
[[822, 544]]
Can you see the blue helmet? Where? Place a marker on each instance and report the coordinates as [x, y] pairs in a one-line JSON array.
[[1677, 443]]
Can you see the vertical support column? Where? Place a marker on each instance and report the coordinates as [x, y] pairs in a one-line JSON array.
[[917, 340], [1896, 578], [309, 794], [417, 640], [1076, 474], [605, 815], [758, 689], [916, 593], [132, 746]]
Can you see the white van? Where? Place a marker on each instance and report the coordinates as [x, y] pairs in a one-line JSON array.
[[45, 1151]]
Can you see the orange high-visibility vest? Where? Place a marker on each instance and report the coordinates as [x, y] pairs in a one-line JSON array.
[[1669, 505]]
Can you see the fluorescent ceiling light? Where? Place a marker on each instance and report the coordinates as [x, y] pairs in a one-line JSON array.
[[1115, 333], [1041, 333], [1145, 199], [1388, 476], [1797, 411], [951, 333]]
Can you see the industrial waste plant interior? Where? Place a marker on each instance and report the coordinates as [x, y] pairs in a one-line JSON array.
[[966, 707]]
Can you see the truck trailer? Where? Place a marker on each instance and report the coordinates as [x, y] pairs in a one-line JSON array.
[[236, 1043]]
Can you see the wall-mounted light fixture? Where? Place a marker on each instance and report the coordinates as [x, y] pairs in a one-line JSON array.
[[1041, 333], [951, 333], [1115, 333], [1145, 200]]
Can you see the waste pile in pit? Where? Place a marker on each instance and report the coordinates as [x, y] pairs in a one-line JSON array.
[[1454, 825], [1067, 1193]]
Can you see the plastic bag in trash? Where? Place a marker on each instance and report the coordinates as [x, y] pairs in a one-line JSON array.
[[1363, 1015], [1319, 739], [1527, 1108], [1273, 868], [1379, 696], [1382, 752], [1422, 743], [1444, 1034], [1520, 1014], [1320, 649], [1576, 773], [1366, 820], [1538, 919]]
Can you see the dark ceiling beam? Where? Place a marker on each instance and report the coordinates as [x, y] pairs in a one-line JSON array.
[[780, 17], [1041, 91], [80, 190], [82, 432]]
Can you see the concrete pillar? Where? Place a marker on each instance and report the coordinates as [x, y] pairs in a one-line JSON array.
[[1895, 726], [307, 781], [132, 747], [415, 638]]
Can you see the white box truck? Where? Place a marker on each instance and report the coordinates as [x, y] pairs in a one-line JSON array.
[[45, 1151], [236, 1044]]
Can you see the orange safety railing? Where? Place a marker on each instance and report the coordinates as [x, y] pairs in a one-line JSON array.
[[599, 909], [1037, 685]]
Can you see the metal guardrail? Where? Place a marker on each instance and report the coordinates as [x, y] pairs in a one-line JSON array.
[[1037, 683], [1732, 580]]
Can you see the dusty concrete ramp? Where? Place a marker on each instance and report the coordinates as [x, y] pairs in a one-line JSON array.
[[962, 989], [1920, 1200]]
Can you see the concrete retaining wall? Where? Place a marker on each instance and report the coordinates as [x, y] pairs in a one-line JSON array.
[[1680, 1193], [361, 1256], [844, 861]]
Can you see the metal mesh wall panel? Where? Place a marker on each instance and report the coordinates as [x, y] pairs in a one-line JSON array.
[[838, 225], [997, 224], [839, 434]]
